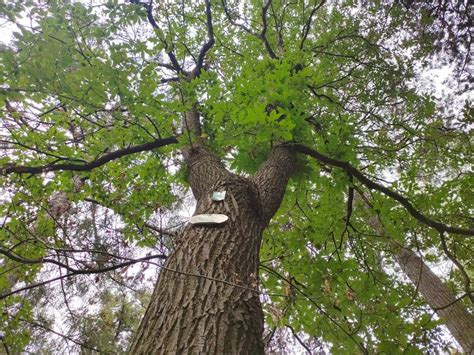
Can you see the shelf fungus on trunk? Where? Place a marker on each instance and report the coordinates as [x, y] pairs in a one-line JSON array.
[[208, 219], [211, 219]]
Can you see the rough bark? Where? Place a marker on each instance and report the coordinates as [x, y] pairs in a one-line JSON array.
[[272, 178], [440, 298], [206, 299]]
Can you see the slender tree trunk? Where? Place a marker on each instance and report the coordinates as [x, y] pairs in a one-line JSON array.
[[206, 299], [441, 299]]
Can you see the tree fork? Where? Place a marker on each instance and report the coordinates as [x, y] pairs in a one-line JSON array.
[[219, 312]]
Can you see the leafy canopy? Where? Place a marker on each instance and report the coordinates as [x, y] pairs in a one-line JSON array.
[[83, 80]]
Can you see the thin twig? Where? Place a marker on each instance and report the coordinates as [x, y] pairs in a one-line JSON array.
[[299, 339], [81, 272], [307, 25]]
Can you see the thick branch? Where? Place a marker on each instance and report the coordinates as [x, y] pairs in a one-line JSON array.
[[210, 42], [272, 178], [18, 169], [262, 35], [441, 227], [191, 123]]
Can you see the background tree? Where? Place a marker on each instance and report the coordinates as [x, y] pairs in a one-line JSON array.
[[113, 112]]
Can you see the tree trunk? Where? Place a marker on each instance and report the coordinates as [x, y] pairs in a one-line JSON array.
[[206, 299], [439, 297], [459, 322]]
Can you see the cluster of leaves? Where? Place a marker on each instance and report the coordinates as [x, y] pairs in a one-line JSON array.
[[342, 277]]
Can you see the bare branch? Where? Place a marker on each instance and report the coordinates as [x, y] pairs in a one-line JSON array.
[[462, 270], [317, 305], [278, 28], [5, 346], [20, 259], [169, 80]]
